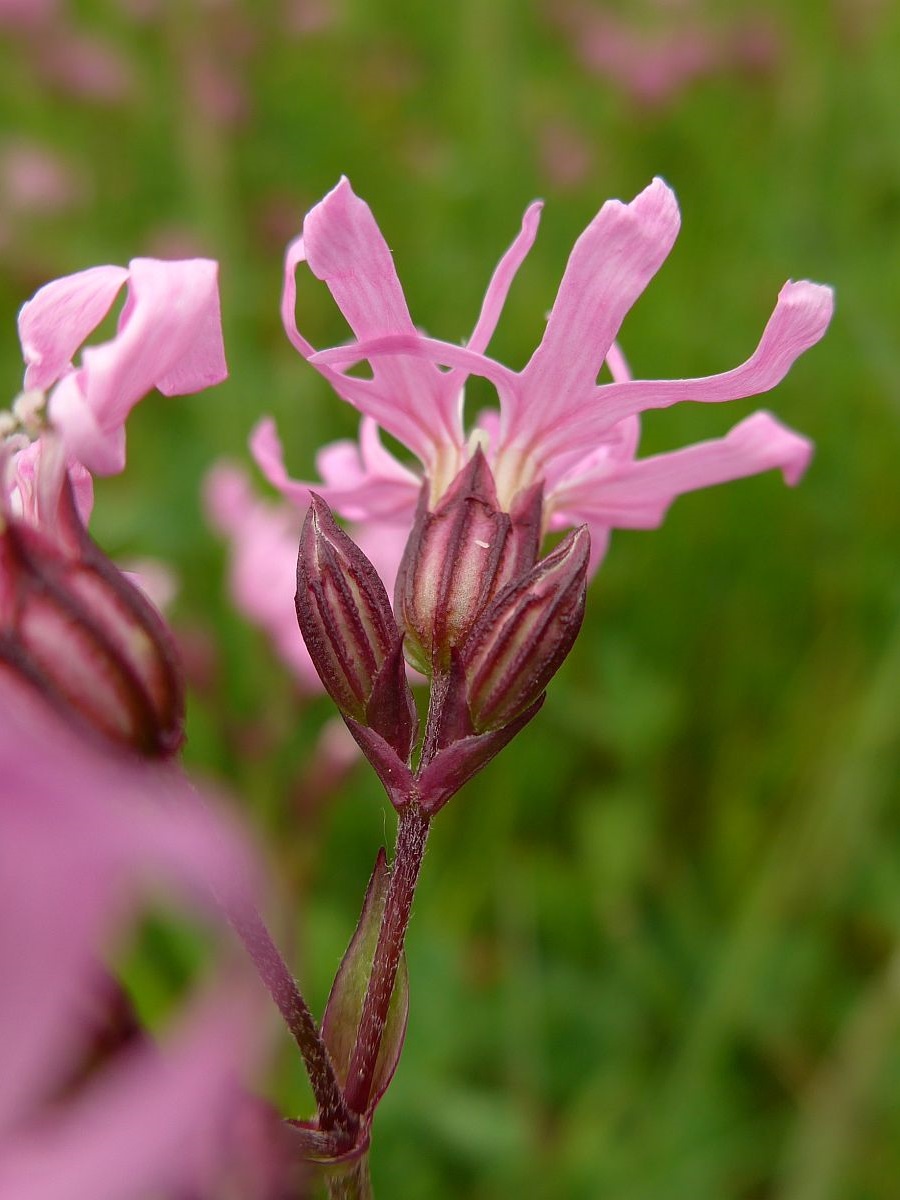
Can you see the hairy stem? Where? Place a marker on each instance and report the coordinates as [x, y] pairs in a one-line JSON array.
[[334, 1112], [412, 834], [357, 1185]]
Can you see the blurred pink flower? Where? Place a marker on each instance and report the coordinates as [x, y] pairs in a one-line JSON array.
[[156, 579], [305, 18], [27, 14], [169, 337], [655, 59], [555, 426], [565, 155], [263, 539], [84, 840], [36, 180], [217, 89], [85, 67]]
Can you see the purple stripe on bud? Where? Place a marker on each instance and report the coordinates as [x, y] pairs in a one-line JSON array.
[[456, 559], [353, 640], [521, 639], [72, 626]]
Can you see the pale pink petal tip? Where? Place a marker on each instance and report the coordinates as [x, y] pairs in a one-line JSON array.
[[265, 446], [333, 226], [59, 316], [226, 496], [658, 209], [772, 445], [810, 307]]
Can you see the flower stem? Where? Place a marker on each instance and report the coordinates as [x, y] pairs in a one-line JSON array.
[[357, 1185], [412, 835], [333, 1110]]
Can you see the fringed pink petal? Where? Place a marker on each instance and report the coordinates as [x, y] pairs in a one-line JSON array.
[[347, 251], [610, 266], [58, 318], [344, 247], [637, 494], [799, 320], [501, 280]]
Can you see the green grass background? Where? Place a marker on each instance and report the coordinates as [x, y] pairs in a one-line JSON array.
[[656, 950]]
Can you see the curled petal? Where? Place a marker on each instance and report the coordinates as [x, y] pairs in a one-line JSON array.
[[799, 320], [416, 345], [266, 448], [363, 480], [33, 480], [637, 494], [58, 318], [169, 337]]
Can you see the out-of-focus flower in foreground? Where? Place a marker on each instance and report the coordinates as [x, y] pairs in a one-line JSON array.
[[72, 626], [556, 426], [85, 839], [169, 337], [95, 817]]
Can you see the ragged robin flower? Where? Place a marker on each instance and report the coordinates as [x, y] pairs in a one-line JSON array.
[[556, 426]]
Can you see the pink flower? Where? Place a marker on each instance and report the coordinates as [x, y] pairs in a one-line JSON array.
[[36, 180], [555, 424], [263, 539], [84, 839], [653, 62], [27, 14], [169, 337], [82, 66]]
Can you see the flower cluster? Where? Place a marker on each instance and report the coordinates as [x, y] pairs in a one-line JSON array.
[[556, 429], [89, 1105]]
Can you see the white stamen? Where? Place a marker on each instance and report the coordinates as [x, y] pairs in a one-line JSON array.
[[483, 545], [479, 439], [28, 408]]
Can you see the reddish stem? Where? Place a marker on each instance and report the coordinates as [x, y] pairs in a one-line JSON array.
[[273, 970], [412, 834]]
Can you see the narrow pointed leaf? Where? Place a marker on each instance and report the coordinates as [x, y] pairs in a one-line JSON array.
[[345, 1002]]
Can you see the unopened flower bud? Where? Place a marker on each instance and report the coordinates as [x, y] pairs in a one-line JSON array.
[[73, 627], [521, 639], [456, 559], [353, 640]]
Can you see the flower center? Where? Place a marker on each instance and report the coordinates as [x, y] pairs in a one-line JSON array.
[[25, 420]]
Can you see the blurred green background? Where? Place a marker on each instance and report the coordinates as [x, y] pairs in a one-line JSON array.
[[656, 950]]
